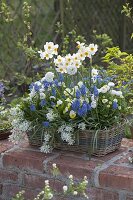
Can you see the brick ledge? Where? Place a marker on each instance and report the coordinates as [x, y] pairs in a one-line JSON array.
[[23, 167]]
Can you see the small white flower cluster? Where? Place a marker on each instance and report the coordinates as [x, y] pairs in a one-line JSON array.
[[50, 49], [19, 125], [46, 193], [66, 133], [130, 159], [46, 148], [51, 116], [82, 126], [94, 73]]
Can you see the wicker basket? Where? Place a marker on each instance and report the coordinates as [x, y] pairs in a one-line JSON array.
[[98, 143]]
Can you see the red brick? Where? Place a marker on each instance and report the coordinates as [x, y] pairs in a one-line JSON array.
[[76, 166], [129, 197], [5, 145], [34, 181], [11, 190], [38, 182], [124, 159], [110, 155], [100, 194], [1, 188], [25, 159], [8, 176], [127, 142], [117, 177]]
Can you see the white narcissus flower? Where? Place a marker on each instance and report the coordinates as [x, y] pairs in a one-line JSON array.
[[87, 52], [42, 54], [68, 58], [55, 49], [71, 70], [49, 46], [59, 61], [81, 54], [49, 76], [93, 48], [80, 45], [77, 63], [61, 69], [47, 55]]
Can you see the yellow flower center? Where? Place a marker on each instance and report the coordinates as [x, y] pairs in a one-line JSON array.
[[86, 53]]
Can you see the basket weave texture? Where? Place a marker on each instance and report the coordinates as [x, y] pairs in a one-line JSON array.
[[99, 143]]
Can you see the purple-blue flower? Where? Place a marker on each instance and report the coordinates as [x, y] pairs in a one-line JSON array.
[[32, 107], [56, 82], [95, 91], [53, 92], [45, 124], [75, 105], [78, 94], [43, 102], [47, 84], [83, 90], [36, 87], [1, 89], [52, 103], [83, 110], [61, 77], [88, 107], [115, 105]]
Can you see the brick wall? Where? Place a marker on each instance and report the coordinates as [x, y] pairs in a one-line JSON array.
[[23, 167]]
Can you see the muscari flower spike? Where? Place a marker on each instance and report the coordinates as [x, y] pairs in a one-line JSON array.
[[43, 102], [115, 105], [32, 107], [45, 124]]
